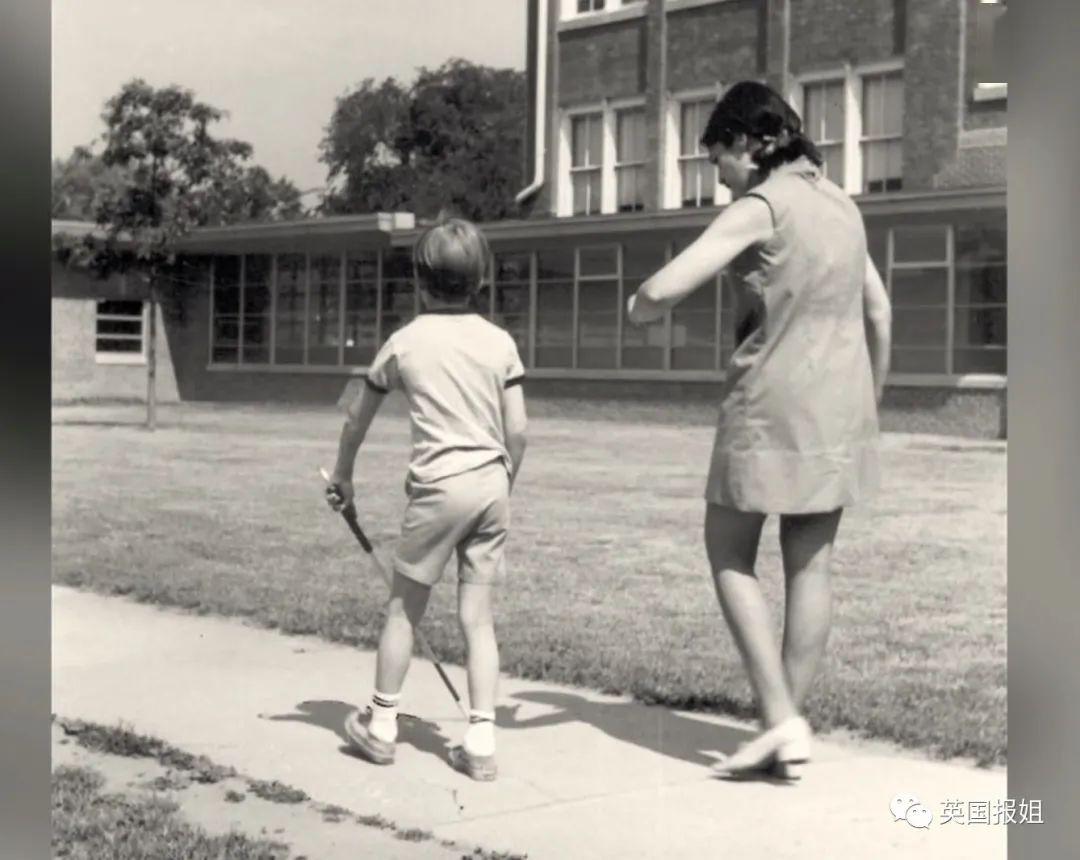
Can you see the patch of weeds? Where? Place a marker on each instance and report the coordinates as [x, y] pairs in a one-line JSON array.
[[122, 741], [375, 821], [235, 796], [169, 782], [333, 814], [276, 792], [413, 834], [87, 823]]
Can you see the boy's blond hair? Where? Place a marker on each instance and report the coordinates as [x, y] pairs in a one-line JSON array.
[[451, 258]]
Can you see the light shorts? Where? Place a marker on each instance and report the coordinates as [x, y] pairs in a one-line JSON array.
[[468, 513]]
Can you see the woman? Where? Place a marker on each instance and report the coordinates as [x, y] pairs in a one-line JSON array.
[[797, 433]]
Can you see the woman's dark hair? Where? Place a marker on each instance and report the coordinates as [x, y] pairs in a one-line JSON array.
[[760, 112]]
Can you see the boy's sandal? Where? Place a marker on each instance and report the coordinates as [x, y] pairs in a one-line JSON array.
[[479, 767]]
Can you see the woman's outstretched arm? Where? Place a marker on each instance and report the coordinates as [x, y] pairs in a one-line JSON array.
[[745, 222], [878, 312]]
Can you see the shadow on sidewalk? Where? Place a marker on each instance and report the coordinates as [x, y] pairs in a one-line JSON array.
[[654, 728], [421, 734]]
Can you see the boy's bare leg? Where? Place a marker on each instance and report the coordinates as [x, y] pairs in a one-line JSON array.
[[478, 627], [408, 601], [806, 543]]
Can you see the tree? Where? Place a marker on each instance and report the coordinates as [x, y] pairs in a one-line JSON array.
[[453, 140], [161, 173]]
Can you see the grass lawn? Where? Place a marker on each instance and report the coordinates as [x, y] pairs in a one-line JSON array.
[[221, 511]]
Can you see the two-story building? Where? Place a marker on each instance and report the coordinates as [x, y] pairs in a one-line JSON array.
[[620, 91]]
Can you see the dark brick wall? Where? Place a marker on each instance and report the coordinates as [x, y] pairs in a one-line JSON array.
[[713, 43], [605, 61], [827, 33]]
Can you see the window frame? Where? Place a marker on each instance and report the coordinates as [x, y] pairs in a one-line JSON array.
[[608, 110], [129, 358], [673, 163]]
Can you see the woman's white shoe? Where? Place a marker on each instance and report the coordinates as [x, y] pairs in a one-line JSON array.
[[785, 747]]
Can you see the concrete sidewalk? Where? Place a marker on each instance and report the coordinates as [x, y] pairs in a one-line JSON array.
[[581, 775]]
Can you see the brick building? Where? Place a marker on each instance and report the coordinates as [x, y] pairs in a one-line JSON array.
[[620, 90]]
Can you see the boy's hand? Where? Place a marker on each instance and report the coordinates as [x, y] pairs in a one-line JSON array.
[[340, 494]]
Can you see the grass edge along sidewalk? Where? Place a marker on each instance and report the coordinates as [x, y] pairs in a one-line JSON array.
[[86, 819]]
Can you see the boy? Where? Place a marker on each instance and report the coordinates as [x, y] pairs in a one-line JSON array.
[[461, 376]]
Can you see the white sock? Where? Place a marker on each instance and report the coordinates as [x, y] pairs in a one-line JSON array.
[[384, 709], [480, 735]]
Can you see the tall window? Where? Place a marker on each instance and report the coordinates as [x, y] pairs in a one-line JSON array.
[[979, 316], [823, 120], [119, 330], [225, 336], [510, 298], [694, 326], [361, 307], [291, 311], [399, 292], [324, 310], [697, 177], [919, 286], [586, 160], [256, 320], [882, 129], [630, 159], [555, 307], [598, 306], [643, 347]]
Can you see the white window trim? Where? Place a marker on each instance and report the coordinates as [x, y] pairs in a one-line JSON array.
[[672, 176], [852, 76], [128, 358], [570, 17], [607, 110]]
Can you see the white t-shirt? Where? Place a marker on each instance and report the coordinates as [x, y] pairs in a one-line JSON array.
[[452, 366]]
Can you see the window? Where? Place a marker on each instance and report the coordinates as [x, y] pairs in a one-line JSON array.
[[255, 316], [882, 127], [586, 160], [823, 121], [856, 119], [694, 326], [225, 337], [119, 331], [324, 310], [291, 310], [697, 177], [979, 316], [511, 296], [399, 292], [361, 308], [598, 307], [630, 159], [555, 308], [579, 8], [919, 287], [589, 6], [643, 347]]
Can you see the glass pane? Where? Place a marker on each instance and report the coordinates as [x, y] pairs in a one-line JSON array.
[[920, 244], [642, 346], [834, 163], [873, 103], [598, 318], [554, 324], [982, 242], [629, 182], [689, 129], [361, 267], [630, 139], [981, 285], [833, 97], [120, 307], [511, 297], [586, 185], [123, 345], [289, 322], [693, 330], [257, 284], [919, 327], [980, 361], [361, 298], [643, 257], [227, 285], [226, 337], [877, 244], [918, 361], [324, 311], [979, 327], [595, 140], [698, 182], [894, 159], [873, 166], [893, 106], [555, 264], [120, 326], [598, 261], [914, 287], [256, 339]]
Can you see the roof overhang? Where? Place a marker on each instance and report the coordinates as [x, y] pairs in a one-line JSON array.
[[310, 235]]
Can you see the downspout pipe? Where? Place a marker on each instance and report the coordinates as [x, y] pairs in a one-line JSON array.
[[541, 103]]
